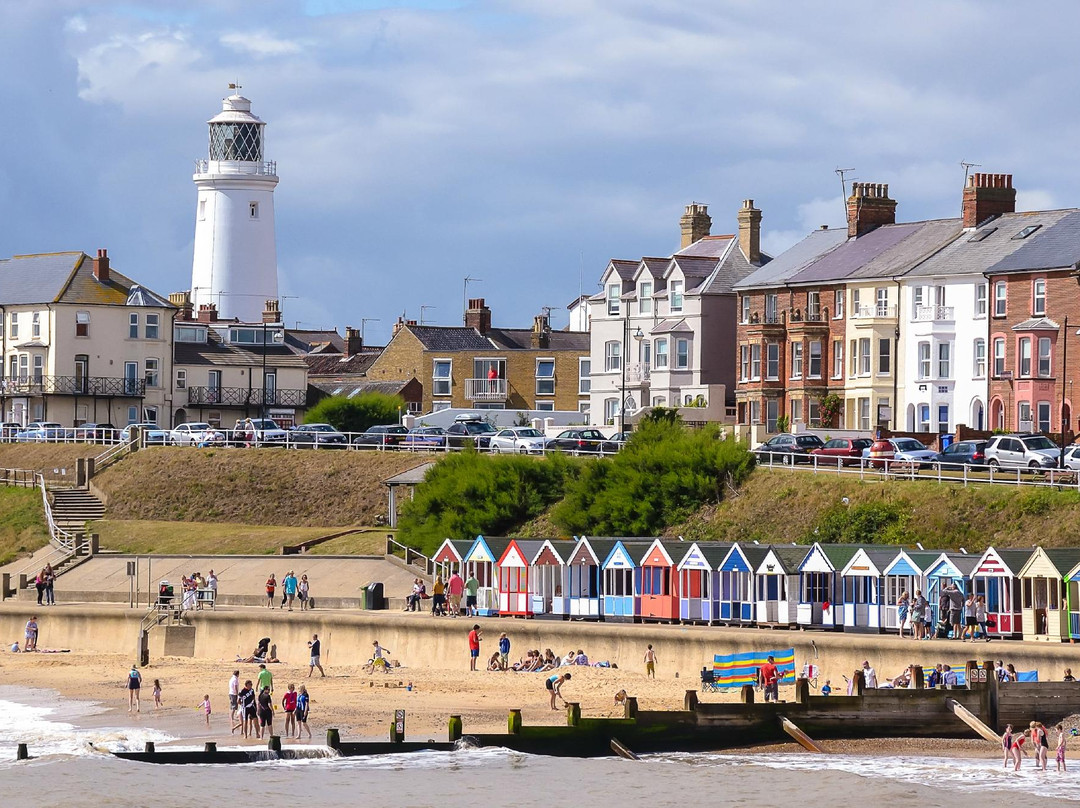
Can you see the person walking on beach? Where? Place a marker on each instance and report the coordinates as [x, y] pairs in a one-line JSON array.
[[1006, 745], [650, 662], [50, 585], [265, 679], [157, 695], [769, 678], [205, 707], [31, 634], [554, 685], [869, 675], [271, 588], [472, 586], [234, 697], [266, 713], [903, 606], [289, 585], [247, 712], [378, 660], [1041, 744], [303, 590], [1061, 748], [980, 618], [970, 623], [918, 615], [475, 637], [316, 648], [303, 706], [288, 704], [455, 588], [956, 609], [39, 585], [134, 683]]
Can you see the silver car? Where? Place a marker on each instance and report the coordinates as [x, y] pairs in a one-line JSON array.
[[1022, 451], [196, 433], [518, 440]]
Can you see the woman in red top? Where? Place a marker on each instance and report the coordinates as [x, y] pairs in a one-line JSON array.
[[271, 587], [288, 704]]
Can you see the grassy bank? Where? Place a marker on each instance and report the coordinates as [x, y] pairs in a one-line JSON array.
[[22, 523], [200, 538], [252, 487], [784, 506], [46, 456]]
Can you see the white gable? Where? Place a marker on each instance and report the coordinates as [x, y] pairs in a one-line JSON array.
[[816, 561], [861, 566], [694, 559]]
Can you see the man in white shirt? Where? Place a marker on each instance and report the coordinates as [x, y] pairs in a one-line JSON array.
[[869, 675], [234, 694]]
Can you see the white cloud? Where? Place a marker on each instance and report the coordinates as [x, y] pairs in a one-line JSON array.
[[1036, 199], [260, 44]]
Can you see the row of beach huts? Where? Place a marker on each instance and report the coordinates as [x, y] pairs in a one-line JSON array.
[[1030, 594]]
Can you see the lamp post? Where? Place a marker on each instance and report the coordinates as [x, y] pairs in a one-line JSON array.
[[1064, 375], [639, 336]]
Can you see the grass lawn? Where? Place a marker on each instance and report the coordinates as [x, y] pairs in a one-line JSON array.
[[22, 523], [369, 542], [201, 538]]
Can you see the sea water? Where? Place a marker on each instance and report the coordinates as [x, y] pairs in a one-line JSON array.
[[70, 768]]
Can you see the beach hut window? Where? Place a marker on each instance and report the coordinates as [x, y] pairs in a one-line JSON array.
[[816, 587], [656, 581], [1052, 591], [620, 583]]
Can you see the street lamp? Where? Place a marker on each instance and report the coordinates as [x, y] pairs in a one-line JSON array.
[[639, 336]]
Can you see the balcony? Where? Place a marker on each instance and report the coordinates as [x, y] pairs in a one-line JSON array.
[[72, 386], [638, 373], [816, 318], [266, 168], [873, 314], [934, 314], [245, 397], [485, 389]]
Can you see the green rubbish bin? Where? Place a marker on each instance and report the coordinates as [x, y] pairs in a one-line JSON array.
[[373, 596]]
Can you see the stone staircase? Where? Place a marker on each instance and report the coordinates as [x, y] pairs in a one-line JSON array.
[[72, 508]]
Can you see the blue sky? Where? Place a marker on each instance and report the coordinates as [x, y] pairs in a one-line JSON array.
[[524, 143]]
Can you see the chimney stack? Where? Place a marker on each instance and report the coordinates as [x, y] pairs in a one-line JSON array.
[[695, 224], [541, 332], [750, 231], [101, 266], [869, 207], [987, 195], [272, 312], [207, 313], [353, 343], [182, 301], [478, 316]]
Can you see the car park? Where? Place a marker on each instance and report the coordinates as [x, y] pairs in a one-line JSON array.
[[196, 433], [385, 436], [962, 453], [885, 451], [43, 432], [259, 432], [615, 442], [9, 429], [1031, 451], [96, 433], [842, 451], [577, 441], [787, 448], [469, 430], [152, 434], [518, 440], [425, 438], [317, 436]]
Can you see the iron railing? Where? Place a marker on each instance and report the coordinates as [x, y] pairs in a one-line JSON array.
[[485, 389], [245, 397], [71, 386]]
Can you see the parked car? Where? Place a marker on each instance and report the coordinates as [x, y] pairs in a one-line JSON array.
[[384, 435], [519, 440], [96, 433], [317, 436], [842, 451], [9, 429], [1072, 457], [42, 432], [615, 442], [425, 437], [787, 449], [153, 435], [962, 453], [469, 428], [196, 433], [1022, 451], [907, 450], [578, 440], [259, 432]]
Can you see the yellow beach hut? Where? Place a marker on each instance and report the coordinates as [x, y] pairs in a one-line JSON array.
[[1044, 606]]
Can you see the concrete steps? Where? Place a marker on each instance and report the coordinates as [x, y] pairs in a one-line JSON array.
[[72, 508]]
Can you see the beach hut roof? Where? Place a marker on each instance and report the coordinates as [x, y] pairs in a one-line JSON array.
[[711, 553], [1002, 562], [947, 564], [561, 549], [787, 558], [872, 560], [487, 549], [453, 550], [1060, 559], [620, 557], [655, 551], [521, 552]]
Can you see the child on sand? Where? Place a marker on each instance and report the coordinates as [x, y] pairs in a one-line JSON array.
[[650, 662], [157, 695], [1006, 744], [303, 702], [205, 706], [1061, 748], [826, 688]]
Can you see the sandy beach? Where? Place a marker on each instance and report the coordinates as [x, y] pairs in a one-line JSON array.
[[361, 705]]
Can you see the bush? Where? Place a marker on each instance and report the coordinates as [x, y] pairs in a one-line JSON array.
[[664, 473], [865, 523], [356, 414], [468, 494]]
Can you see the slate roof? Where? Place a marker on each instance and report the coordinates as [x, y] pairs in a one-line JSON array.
[[925, 240], [216, 352], [709, 246], [794, 259], [668, 326], [1014, 559], [624, 268], [854, 254], [655, 267], [520, 339], [1057, 248], [307, 340], [790, 557], [976, 250], [450, 338], [413, 476], [1063, 558], [339, 364], [713, 552], [1037, 324], [352, 387], [68, 277]]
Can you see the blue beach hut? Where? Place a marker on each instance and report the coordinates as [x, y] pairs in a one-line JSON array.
[[949, 568], [736, 583], [618, 582], [906, 573]]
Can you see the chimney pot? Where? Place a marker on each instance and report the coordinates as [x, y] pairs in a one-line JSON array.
[[353, 343], [986, 196], [869, 207], [207, 313], [101, 266], [750, 232], [478, 316], [695, 224]]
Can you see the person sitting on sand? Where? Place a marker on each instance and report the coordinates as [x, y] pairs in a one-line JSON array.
[[580, 658], [569, 658], [550, 661], [620, 697], [493, 663], [525, 664], [537, 660]]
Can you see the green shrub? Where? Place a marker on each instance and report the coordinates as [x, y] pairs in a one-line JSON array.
[[865, 523], [356, 414], [468, 494]]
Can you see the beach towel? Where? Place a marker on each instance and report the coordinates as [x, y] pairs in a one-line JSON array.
[[736, 670]]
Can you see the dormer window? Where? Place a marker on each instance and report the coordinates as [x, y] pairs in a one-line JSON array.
[[253, 336], [645, 297], [613, 302], [189, 333], [676, 295]]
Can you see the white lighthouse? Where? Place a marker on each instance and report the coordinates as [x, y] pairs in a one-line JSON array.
[[235, 264]]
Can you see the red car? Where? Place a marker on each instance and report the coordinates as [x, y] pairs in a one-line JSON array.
[[845, 451]]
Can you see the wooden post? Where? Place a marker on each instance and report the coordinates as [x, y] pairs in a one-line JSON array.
[[455, 728], [918, 680], [991, 693], [690, 702], [333, 738], [149, 747], [393, 733], [22, 753], [513, 722], [573, 713], [860, 683], [210, 747], [630, 707], [802, 690], [746, 695], [274, 744], [971, 675]]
